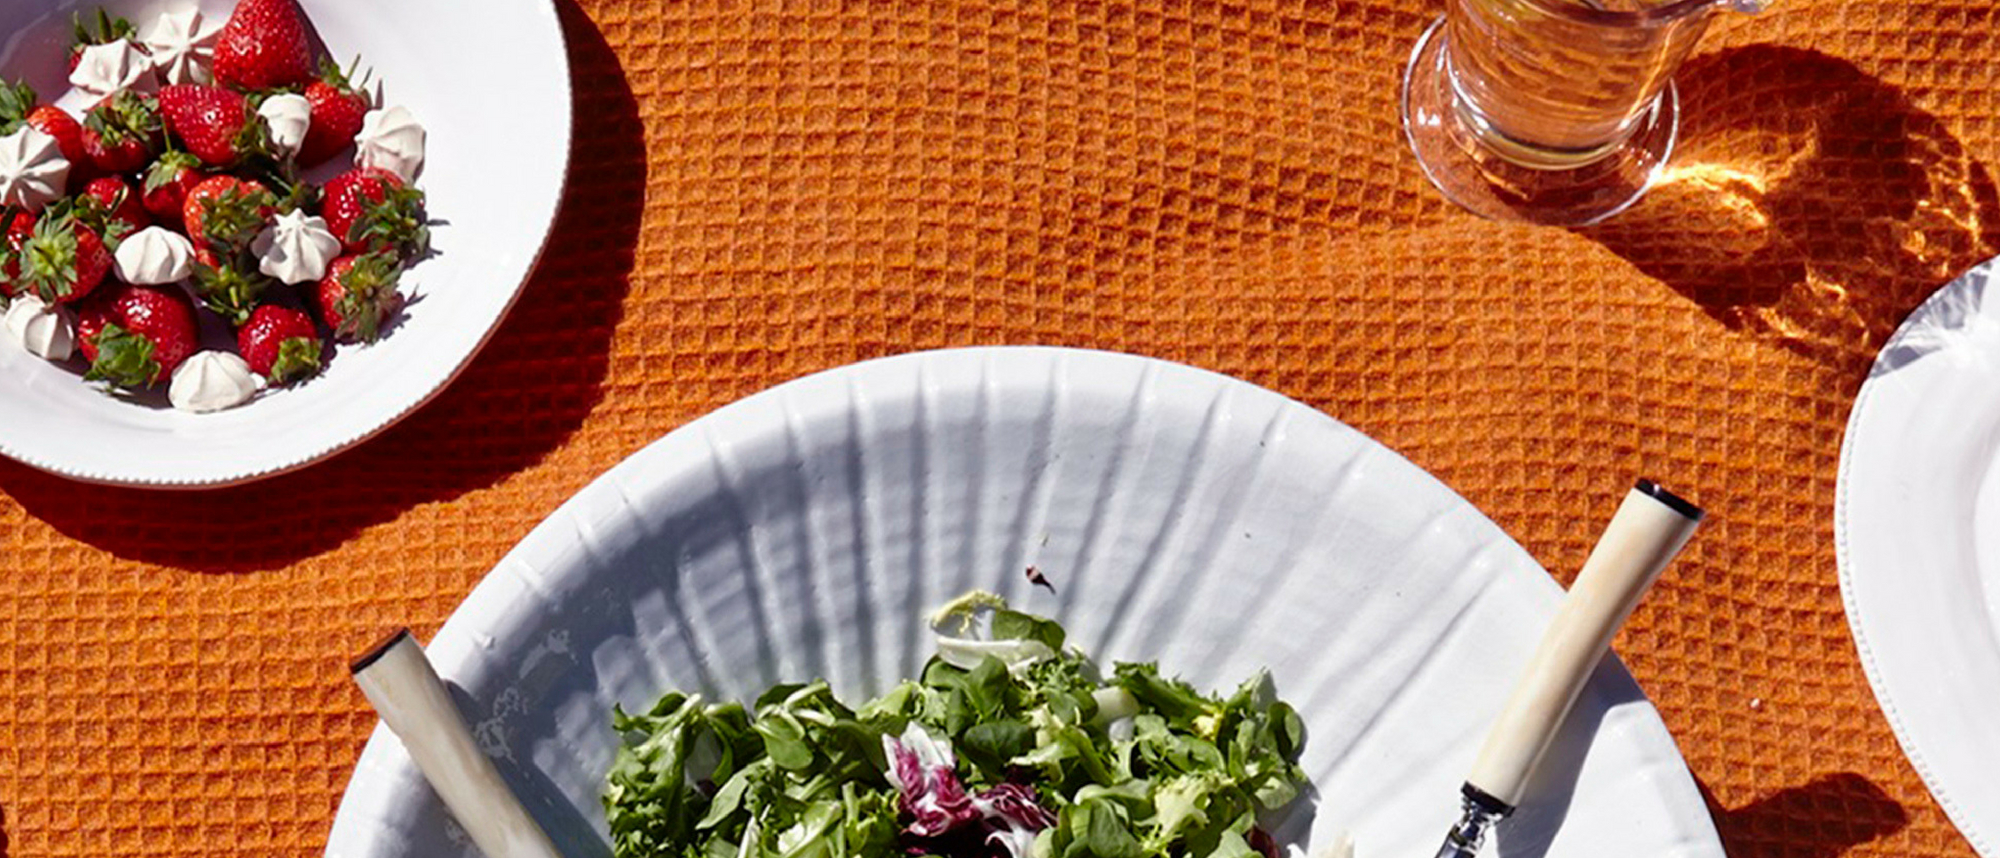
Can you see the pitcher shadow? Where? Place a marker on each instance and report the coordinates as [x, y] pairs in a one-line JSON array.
[[1822, 818], [1810, 204], [552, 351]]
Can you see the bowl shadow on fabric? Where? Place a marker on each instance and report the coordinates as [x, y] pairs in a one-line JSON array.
[[1810, 204], [1822, 818], [527, 391]]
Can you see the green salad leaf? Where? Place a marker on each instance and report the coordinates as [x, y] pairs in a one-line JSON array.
[[1009, 745]]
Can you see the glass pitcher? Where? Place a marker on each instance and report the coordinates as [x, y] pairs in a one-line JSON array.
[[1550, 111]]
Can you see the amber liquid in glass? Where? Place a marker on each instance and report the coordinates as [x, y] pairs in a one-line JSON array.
[[1549, 87]]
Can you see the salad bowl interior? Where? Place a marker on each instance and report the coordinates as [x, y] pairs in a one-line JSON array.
[[1177, 516]]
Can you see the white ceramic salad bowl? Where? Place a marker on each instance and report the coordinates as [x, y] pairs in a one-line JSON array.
[[1181, 517]]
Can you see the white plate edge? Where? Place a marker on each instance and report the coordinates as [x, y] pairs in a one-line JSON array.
[[225, 477], [1899, 726]]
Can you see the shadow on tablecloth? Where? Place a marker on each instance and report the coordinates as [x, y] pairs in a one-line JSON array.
[[1810, 204], [1822, 818], [523, 396]]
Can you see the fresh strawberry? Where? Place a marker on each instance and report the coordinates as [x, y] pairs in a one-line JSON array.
[[371, 209], [167, 185], [337, 111], [225, 212], [91, 319], [63, 259], [19, 225], [57, 123], [110, 206], [279, 343], [19, 105], [359, 294], [216, 124], [134, 336], [264, 46], [123, 133], [229, 284], [109, 29]]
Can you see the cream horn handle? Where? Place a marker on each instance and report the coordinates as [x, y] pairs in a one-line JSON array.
[[406, 691], [1649, 528]]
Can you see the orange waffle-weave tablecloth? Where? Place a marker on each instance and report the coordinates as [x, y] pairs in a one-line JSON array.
[[765, 188]]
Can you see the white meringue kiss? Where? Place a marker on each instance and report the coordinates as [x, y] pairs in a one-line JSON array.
[[153, 256], [43, 330], [391, 140], [108, 69], [182, 45], [295, 248], [32, 169], [211, 381], [286, 116]]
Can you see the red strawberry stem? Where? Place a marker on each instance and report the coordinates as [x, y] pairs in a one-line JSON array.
[[97, 215], [234, 217], [49, 256], [109, 29], [298, 357], [232, 288], [331, 74], [126, 115], [16, 100], [276, 173], [397, 220], [124, 359], [368, 296], [168, 168]]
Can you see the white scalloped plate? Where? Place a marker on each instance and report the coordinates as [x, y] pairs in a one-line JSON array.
[[1917, 526], [1182, 516], [498, 149]]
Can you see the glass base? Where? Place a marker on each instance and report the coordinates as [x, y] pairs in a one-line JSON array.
[[1472, 173]]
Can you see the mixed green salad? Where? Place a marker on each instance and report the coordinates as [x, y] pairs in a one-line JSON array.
[[1011, 745]]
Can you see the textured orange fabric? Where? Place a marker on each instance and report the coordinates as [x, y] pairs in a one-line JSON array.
[[764, 188]]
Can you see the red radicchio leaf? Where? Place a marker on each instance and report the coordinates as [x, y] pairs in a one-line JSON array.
[[924, 771]]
